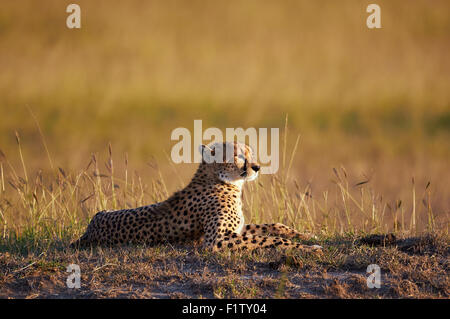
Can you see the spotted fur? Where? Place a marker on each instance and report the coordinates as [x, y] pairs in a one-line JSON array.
[[209, 206]]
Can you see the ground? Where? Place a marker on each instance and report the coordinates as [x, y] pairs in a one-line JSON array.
[[410, 268]]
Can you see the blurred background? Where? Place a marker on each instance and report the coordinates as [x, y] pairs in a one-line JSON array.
[[374, 101]]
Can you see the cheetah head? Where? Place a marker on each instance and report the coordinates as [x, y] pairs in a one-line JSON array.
[[230, 162]]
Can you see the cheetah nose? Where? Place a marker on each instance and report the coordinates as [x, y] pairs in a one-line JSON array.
[[255, 167]]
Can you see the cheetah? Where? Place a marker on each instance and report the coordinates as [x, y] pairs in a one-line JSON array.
[[209, 207]]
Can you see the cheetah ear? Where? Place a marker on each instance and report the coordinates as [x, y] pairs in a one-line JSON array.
[[207, 153]]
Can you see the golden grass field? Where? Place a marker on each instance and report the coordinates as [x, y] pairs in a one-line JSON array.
[[86, 115]]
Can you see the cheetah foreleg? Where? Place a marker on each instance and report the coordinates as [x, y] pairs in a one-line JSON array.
[[251, 242], [277, 229]]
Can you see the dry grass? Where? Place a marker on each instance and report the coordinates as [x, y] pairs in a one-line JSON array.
[[374, 101], [42, 214], [370, 107], [44, 209], [189, 272]]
